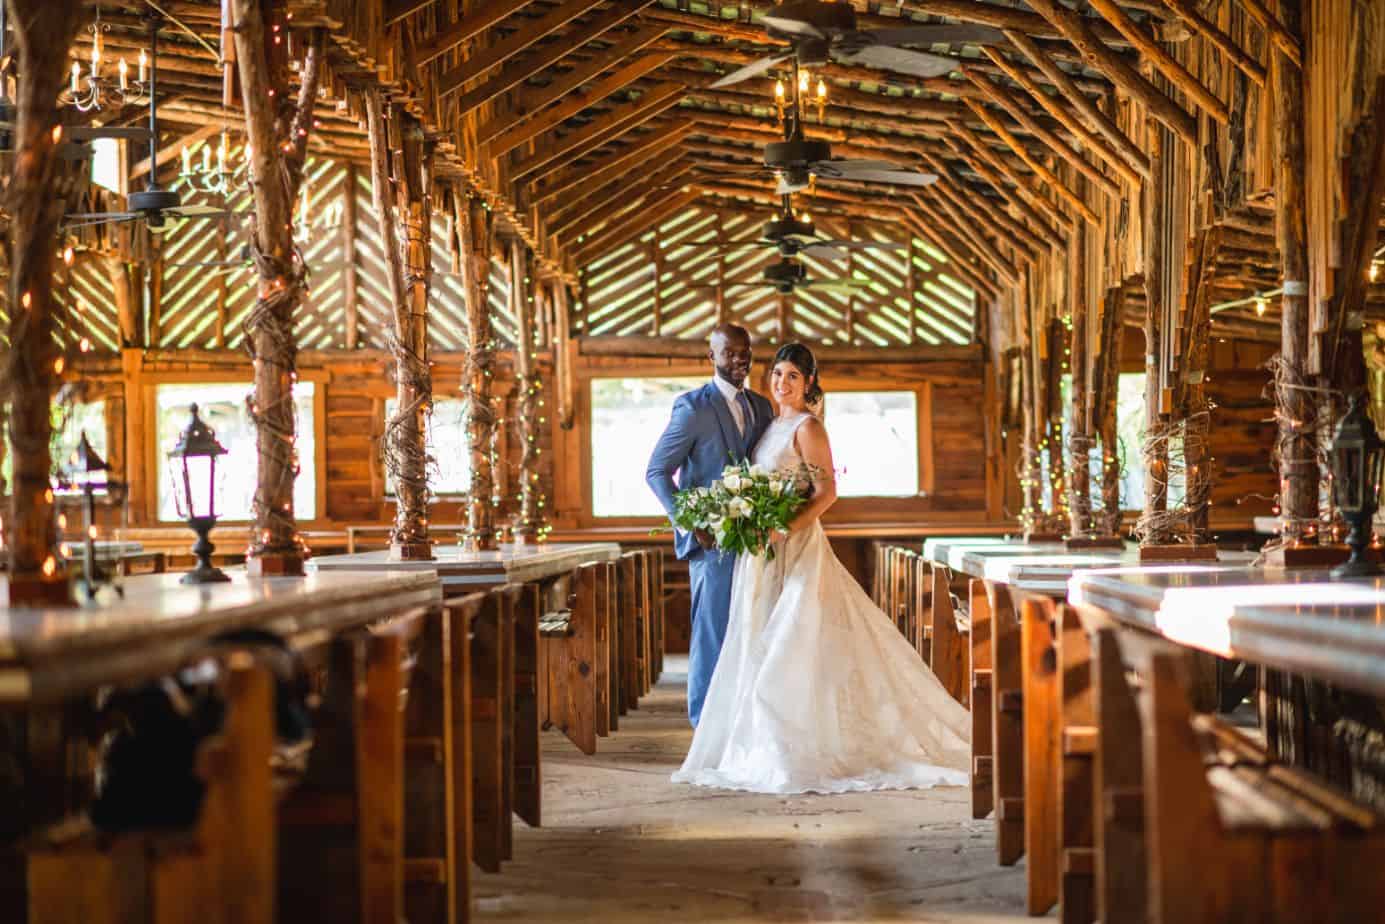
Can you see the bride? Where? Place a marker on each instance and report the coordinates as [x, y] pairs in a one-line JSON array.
[[815, 689]]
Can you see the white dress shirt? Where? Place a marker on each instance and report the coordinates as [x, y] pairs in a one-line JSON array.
[[729, 392]]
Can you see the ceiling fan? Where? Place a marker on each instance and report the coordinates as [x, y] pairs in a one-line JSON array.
[[820, 31], [154, 204], [792, 235], [785, 275]]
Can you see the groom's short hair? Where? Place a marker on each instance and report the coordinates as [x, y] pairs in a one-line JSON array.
[[728, 329]]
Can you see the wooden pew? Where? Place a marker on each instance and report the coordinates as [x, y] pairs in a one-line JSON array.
[[949, 645], [491, 658], [982, 716], [222, 871], [569, 642], [1007, 723], [1227, 833]]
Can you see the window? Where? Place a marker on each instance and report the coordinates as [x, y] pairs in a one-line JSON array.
[[222, 406], [875, 442], [628, 417], [450, 473], [69, 423]]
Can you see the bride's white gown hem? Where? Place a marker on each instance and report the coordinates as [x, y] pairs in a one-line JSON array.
[[815, 689]]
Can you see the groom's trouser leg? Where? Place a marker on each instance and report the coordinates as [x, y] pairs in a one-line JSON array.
[[710, 578]]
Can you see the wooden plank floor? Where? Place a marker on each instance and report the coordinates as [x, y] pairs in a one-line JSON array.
[[620, 843]]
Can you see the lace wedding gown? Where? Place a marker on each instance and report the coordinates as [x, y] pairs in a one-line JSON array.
[[815, 689]]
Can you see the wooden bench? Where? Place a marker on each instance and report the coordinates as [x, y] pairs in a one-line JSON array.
[[1202, 823], [222, 870]]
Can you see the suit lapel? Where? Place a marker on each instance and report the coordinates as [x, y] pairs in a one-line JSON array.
[[725, 421]]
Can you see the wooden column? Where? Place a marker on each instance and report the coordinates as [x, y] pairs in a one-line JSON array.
[[562, 359], [1080, 522], [1156, 461], [35, 198], [277, 133], [1106, 382], [126, 296], [348, 255], [397, 147], [527, 389], [475, 232]]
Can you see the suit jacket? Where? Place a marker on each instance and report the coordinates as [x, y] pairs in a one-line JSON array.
[[701, 439]]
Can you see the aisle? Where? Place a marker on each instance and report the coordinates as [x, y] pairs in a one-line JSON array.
[[620, 843]]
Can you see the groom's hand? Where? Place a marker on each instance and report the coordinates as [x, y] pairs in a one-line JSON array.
[[704, 539]]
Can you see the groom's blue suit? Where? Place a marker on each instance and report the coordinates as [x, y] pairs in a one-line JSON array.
[[700, 441]]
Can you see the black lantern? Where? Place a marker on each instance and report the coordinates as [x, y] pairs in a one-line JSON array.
[[194, 489], [1356, 467], [88, 472]]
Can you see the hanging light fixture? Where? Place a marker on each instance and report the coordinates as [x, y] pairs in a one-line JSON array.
[[212, 172], [93, 89]]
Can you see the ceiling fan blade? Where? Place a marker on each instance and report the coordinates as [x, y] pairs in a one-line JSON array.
[[899, 60], [721, 166], [794, 27], [865, 245], [824, 250], [871, 171], [927, 34], [847, 286], [753, 69], [87, 219], [200, 211], [721, 245]]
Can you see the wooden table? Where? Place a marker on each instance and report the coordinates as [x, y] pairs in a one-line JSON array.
[[1302, 621], [50, 654], [462, 572]]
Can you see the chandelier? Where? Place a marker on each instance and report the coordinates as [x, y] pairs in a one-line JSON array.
[[95, 89], [802, 96], [212, 173]]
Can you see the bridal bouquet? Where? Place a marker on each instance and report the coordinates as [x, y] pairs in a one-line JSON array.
[[743, 508]]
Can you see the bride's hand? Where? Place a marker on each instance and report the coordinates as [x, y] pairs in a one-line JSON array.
[[778, 535]]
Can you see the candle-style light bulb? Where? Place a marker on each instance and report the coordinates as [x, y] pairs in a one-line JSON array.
[[1261, 306], [143, 63], [95, 52], [76, 77], [1373, 274], [124, 72], [206, 159], [802, 81], [822, 89], [779, 90], [187, 160]]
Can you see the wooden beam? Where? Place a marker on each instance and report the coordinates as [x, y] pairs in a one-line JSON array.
[[1163, 62], [1021, 195], [602, 129], [646, 218], [1039, 167], [1027, 244], [609, 178], [171, 152], [471, 25], [1130, 154], [660, 139], [575, 102], [945, 213], [681, 348], [1003, 98], [624, 196], [1077, 30], [959, 263], [1224, 43], [482, 62], [530, 99], [521, 69], [1282, 38]]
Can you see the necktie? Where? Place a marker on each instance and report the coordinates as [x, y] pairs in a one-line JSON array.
[[747, 415]]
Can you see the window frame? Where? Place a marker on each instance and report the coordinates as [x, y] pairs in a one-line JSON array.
[[866, 508], [149, 392]]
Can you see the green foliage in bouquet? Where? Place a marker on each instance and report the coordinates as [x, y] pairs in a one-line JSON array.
[[744, 507]]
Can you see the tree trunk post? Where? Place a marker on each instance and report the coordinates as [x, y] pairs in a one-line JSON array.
[[1155, 451], [528, 388], [1080, 524], [36, 198], [475, 232], [405, 220], [276, 128]]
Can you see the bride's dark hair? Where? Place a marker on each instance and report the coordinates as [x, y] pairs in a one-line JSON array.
[[803, 360]]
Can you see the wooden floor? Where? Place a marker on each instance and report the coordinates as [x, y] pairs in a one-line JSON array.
[[620, 843]]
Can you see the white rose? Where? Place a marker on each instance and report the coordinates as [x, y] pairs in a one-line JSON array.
[[715, 521], [732, 483], [736, 509], [757, 471], [776, 487]]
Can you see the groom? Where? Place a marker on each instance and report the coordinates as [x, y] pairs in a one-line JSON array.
[[711, 427]]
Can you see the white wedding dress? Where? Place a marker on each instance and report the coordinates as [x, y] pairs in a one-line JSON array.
[[815, 689]]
